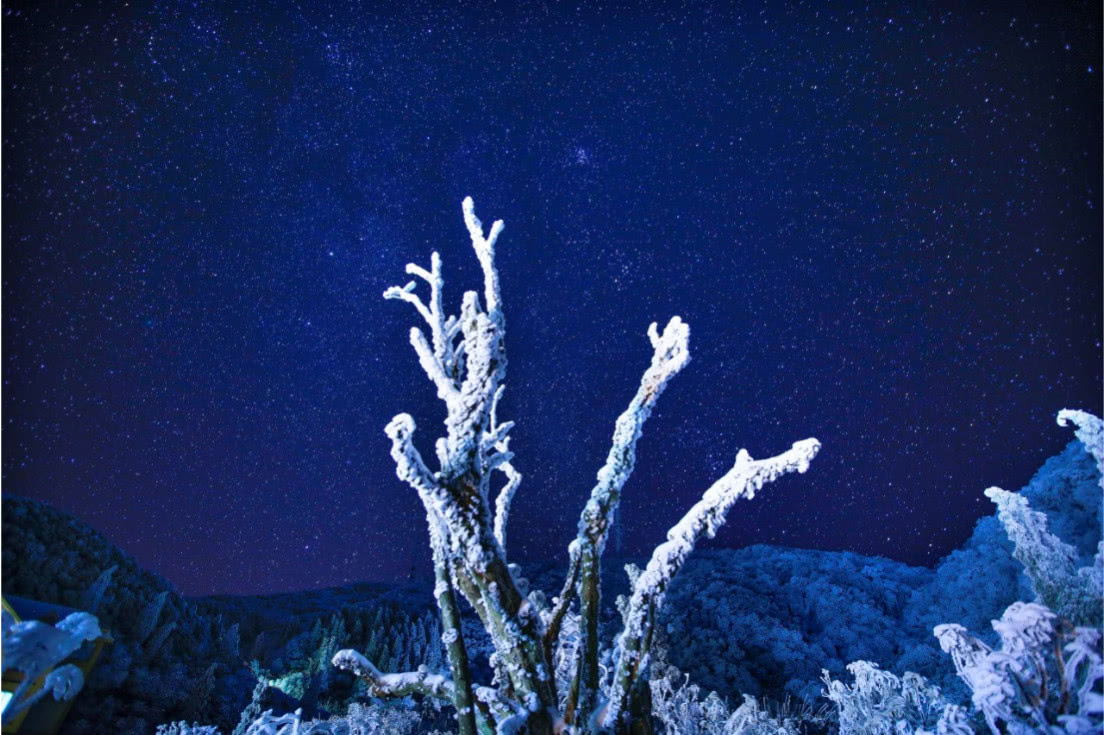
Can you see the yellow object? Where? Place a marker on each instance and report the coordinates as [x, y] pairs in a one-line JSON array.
[[47, 714]]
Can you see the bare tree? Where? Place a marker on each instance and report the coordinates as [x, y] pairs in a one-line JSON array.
[[465, 358]]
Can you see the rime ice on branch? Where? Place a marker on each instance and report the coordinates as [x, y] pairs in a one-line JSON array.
[[1049, 562], [464, 357], [745, 478], [1090, 430]]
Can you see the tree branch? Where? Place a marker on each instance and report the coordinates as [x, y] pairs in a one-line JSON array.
[[745, 478], [502, 502], [563, 602], [394, 685], [452, 631], [408, 461], [671, 352], [406, 293], [485, 250], [433, 367]]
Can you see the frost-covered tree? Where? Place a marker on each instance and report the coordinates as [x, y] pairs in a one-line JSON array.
[[465, 358]]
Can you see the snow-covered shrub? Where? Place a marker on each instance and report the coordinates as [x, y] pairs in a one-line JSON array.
[[881, 703], [289, 724], [680, 709], [1049, 562], [185, 728], [955, 720], [370, 719], [1090, 431], [464, 356], [974, 584], [1046, 677], [301, 667], [361, 719]]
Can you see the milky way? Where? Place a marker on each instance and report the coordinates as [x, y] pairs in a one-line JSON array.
[[883, 229]]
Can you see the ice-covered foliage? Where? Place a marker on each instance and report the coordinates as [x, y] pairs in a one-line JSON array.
[[1046, 676], [976, 582], [954, 720], [881, 703], [183, 727], [680, 708], [33, 648], [1049, 562], [465, 360], [1090, 430], [743, 480], [370, 719], [373, 718]]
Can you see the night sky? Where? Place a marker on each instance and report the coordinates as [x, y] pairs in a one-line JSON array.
[[883, 227]]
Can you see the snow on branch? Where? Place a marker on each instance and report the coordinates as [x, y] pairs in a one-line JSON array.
[[1049, 562], [408, 462], [1028, 684], [1090, 430], [671, 354], [467, 362], [496, 438], [745, 478], [438, 361], [389, 686], [465, 358], [485, 250], [502, 502]]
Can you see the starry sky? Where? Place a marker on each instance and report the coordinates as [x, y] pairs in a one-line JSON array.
[[881, 222]]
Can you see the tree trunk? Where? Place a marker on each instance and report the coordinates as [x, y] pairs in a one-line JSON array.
[[640, 712]]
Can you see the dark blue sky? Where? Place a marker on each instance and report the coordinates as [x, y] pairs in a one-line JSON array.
[[882, 224]]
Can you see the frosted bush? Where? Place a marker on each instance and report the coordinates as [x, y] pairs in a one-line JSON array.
[[679, 708], [376, 719], [881, 703], [1049, 562], [184, 728], [1046, 676]]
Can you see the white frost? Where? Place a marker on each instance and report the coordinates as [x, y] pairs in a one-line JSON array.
[[745, 478]]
